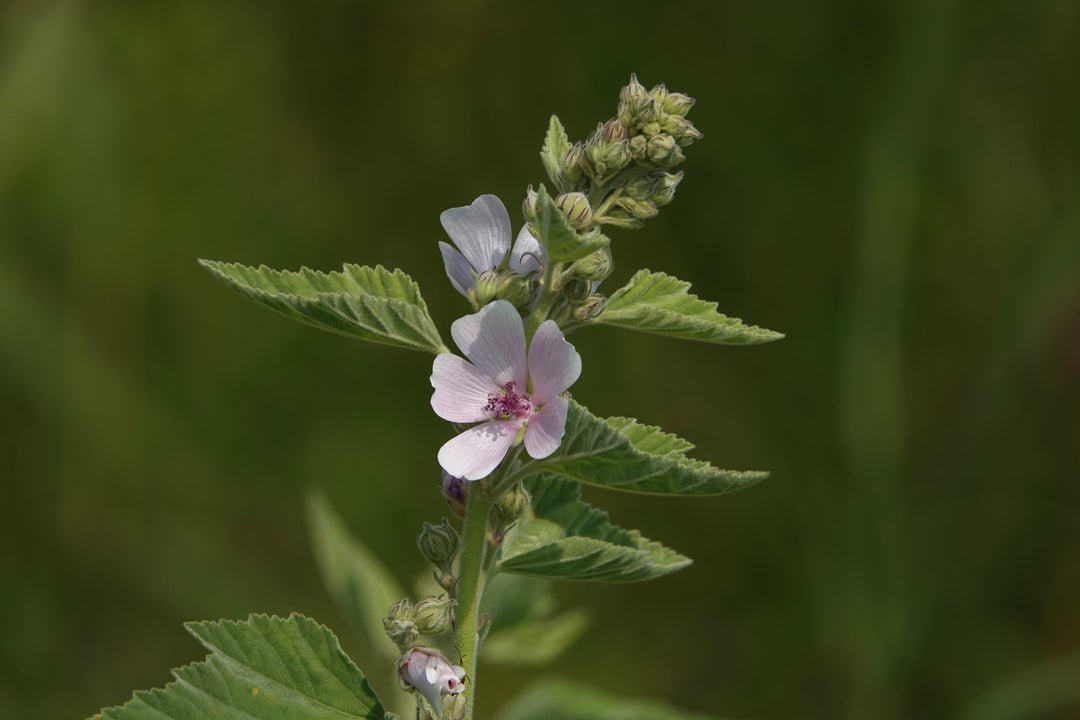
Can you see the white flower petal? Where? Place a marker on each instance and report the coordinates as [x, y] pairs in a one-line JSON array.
[[546, 428], [480, 230], [526, 255], [494, 340], [457, 268], [461, 391], [554, 364], [473, 454]]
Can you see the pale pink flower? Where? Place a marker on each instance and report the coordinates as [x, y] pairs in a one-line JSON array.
[[481, 232], [501, 387], [431, 674]]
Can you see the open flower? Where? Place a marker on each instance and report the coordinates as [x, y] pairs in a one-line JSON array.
[[481, 232], [510, 394], [431, 674]]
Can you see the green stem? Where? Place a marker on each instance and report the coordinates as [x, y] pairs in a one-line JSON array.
[[470, 587]]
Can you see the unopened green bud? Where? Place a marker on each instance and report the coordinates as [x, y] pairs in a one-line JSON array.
[[399, 624], [641, 209], [651, 129], [677, 104], [577, 290], [517, 289], [627, 97], [657, 186], [681, 129], [529, 206], [663, 151], [617, 156], [659, 93], [593, 267], [455, 707], [590, 309], [613, 130], [434, 615], [484, 288], [665, 189], [507, 510], [576, 208], [572, 172], [439, 544], [638, 145]]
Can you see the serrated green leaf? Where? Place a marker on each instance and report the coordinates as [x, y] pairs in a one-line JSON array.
[[562, 700], [561, 242], [361, 587], [373, 304], [622, 454], [266, 668], [661, 304], [565, 538], [556, 144]]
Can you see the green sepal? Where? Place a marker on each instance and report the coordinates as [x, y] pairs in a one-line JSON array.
[[661, 304], [556, 144], [370, 303], [264, 668], [561, 242], [622, 454], [564, 538]]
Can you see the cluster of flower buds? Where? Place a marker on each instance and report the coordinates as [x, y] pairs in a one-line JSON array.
[[406, 622], [492, 285]]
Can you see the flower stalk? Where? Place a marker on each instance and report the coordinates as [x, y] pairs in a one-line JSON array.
[[472, 577]]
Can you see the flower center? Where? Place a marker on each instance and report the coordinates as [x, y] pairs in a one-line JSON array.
[[508, 404]]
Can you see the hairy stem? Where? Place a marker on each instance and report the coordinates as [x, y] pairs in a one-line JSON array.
[[470, 588]]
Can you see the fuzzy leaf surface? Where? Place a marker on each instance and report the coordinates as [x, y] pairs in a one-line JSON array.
[[565, 538], [658, 303], [561, 242], [556, 145], [370, 303], [264, 668], [360, 585], [562, 700], [622, 454]]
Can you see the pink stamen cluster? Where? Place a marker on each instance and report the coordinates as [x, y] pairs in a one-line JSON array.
[[508, 404]]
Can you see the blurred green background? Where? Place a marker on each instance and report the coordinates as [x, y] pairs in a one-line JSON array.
[[895, 186]]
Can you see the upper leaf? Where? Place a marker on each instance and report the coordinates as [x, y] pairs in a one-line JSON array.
[[369, 303], [358, 582], [561, 700], [661, 304], [556, 145], [565, 538], [561, 242], [622, 454], [267, 668]]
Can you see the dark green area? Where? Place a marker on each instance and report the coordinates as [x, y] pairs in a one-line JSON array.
[[895, 186]]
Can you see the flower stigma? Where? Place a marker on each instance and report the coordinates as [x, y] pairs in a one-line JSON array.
[[508, 404]]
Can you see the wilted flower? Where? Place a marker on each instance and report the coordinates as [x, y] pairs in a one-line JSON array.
[[431, 674], [492, 388], [481, 232]]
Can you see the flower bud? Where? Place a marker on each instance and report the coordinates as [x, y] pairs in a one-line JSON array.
[[455, 490], [677, 104], [641, 209], [517, 289], [399, 625], [529, 206], [577, 290], [681, 129], [593, 267], [572, 172], [659, 93], [428, 672], [664, 191], [434, 616], [590, 309], [664, 151], [456, 707], [617, 156], [576, 208], [439, 544], [627, 97], [484, 289], [638, 144], [507, 510], [657, 186], [613, 130]]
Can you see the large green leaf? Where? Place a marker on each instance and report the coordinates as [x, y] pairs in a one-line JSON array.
[[561, 700], [556, 144], [564, 538], [561, 242], [372, 304], [266, 668], [621, 454], [361, 587], [660, 304]]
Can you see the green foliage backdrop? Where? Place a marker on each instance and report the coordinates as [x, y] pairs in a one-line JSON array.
[[896, 186]]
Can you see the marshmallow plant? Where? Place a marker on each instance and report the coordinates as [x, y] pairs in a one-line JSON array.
[[513, 461]]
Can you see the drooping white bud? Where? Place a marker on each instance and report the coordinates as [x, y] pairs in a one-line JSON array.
[[431, 675]]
